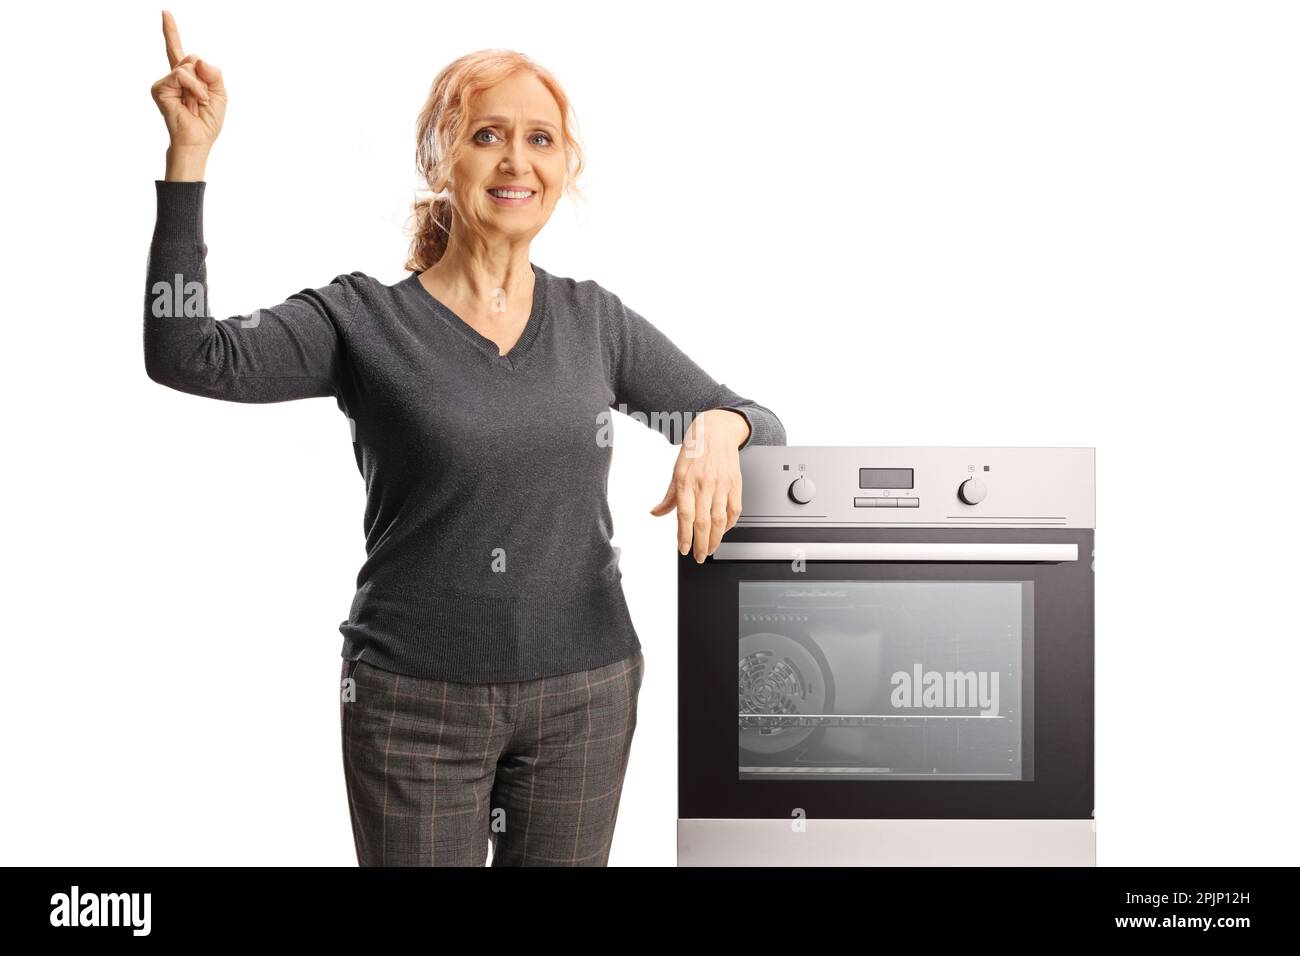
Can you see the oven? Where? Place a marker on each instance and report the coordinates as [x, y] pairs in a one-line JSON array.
[[913, 635]]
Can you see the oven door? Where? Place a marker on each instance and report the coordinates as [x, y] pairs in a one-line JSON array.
[[887, 674]]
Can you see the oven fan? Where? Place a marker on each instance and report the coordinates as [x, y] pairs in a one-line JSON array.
[[782, 674]]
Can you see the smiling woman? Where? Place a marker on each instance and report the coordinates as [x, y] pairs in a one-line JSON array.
[[485, 108], [490, 662]]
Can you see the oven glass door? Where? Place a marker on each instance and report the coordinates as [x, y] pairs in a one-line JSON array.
[[951, 676], [907, 679]]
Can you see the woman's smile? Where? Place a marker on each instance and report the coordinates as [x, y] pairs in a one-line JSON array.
[[511, 197]]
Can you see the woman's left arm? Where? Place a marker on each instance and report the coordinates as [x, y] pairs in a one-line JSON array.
[[655, 379]]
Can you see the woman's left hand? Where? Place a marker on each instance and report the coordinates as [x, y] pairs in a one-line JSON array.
[[705, 487]]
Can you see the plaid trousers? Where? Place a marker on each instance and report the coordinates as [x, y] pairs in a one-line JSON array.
[[437, 769]]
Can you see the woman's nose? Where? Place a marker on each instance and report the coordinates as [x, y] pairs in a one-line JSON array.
[[515, 158]]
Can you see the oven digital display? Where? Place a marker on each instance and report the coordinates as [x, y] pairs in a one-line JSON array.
[[884, 477]]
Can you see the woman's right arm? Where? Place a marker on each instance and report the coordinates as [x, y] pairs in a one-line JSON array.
[[291, 350]]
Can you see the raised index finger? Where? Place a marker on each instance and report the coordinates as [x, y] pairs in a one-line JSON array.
[[173, 37]]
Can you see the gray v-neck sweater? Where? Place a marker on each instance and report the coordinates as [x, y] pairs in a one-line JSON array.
[[487, 524]]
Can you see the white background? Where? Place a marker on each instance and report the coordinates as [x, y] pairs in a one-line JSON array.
[[894, 224]]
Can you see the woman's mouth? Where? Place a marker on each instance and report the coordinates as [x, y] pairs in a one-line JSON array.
[[512, 197]]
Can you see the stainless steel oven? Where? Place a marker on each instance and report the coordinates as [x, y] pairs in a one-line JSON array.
[[912, 631]]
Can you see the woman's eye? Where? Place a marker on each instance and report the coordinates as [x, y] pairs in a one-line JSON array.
[[492, 132]]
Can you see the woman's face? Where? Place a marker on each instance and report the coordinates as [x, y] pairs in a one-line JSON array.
[[514, 140]]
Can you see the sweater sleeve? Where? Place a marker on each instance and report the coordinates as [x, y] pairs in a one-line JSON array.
[[287, 351], [659, 384]]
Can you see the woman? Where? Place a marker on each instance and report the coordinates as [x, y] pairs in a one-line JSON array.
[[491, 669]]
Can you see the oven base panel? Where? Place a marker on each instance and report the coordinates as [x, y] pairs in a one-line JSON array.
[[726, 842]]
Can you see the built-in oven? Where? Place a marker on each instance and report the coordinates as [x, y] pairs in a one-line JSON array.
[[912, 632]]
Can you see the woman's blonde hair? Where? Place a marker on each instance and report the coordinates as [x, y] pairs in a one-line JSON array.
[[440, 138]]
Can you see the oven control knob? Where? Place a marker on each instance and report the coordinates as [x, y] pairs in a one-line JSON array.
[[972, 491], [802, 490]]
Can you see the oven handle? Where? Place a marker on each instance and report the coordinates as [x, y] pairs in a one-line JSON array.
[[969, 551]]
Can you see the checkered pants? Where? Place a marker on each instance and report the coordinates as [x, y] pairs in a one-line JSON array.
[[436, 769]]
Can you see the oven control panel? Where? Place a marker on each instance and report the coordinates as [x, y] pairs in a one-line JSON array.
[[792, 485]]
